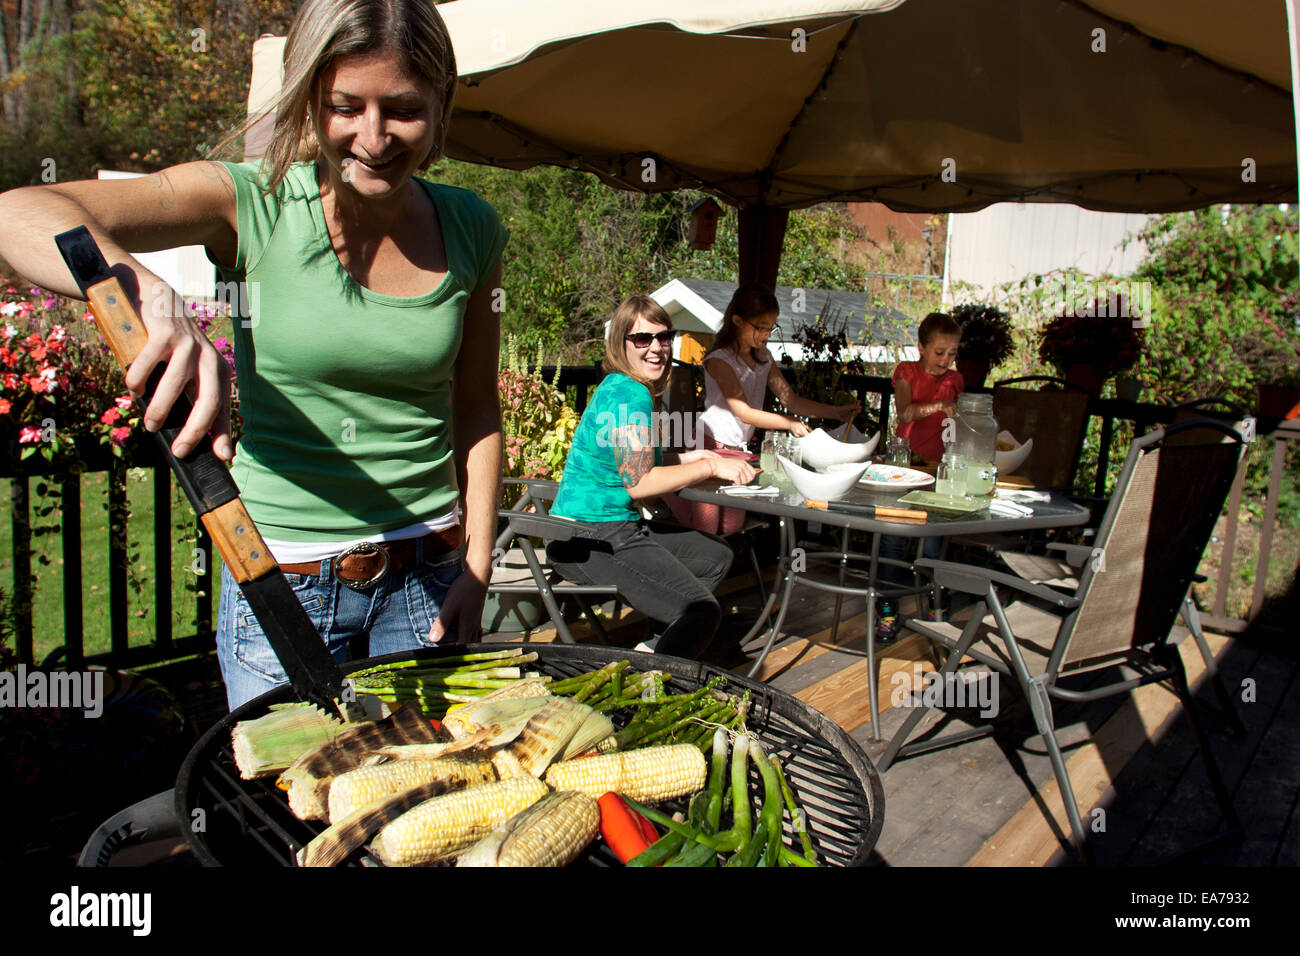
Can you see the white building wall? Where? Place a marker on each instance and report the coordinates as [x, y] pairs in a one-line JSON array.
[[1008, 241]]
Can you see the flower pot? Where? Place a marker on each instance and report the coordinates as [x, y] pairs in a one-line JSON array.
[[972, 373], [1278, 401], [1128, 388], [1087, 377]]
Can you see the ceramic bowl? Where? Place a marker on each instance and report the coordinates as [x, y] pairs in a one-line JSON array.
[[824, 486], [820, 449], [1009, 461]]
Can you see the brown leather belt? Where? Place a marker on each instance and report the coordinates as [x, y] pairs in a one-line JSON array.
[[365, 565]]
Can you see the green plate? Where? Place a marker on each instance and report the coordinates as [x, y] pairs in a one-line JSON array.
[[933, 501]]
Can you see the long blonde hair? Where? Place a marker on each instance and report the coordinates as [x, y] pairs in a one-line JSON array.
[[325, 31], [629, 310]]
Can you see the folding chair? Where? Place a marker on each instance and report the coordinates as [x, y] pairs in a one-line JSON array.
[[1129, 592], [519, 567]]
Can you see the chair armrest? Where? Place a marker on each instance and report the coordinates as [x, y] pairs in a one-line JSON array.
[[972, 580], [533, 525], [1076, 555]]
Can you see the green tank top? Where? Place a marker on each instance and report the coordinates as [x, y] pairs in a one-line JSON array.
[[345, 392]]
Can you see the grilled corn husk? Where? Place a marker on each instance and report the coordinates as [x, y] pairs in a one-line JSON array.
[[269, 744], [551, 832], [307, 780], [332, 846]]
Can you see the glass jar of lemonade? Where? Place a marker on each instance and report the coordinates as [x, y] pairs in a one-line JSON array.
[[977, 442]]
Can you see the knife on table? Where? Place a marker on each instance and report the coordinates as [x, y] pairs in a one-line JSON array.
[[314, 674]]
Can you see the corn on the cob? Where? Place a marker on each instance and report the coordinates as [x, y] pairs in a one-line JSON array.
[[359, 788], [552, 832], [648, 775], [445, 825]]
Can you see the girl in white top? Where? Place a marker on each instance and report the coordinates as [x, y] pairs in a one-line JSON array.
[[738, 372]]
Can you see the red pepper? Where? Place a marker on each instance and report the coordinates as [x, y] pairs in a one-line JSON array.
[[626, 831]]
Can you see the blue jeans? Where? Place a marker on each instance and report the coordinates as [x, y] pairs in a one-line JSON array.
[[394, 615]]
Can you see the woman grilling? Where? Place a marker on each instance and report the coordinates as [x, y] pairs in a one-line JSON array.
[[665, 571], [371, 449]]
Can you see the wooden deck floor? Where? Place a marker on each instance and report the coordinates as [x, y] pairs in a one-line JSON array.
[[994, 801]]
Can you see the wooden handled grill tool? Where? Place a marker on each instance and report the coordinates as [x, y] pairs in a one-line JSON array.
[[882, 512], [314, 674]]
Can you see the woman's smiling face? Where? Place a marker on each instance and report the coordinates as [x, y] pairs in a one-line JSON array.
[[375, 122], [650, 363]]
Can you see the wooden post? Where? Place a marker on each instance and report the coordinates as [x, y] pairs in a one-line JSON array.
[[762, 234]]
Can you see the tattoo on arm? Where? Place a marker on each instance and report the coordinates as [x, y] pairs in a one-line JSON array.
[[633, 453], [166, 191], [217, 173]]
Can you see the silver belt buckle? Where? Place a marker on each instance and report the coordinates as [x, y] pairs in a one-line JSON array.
[[364, 548]]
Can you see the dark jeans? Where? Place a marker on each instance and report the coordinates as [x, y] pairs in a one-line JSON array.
[[666, 572]]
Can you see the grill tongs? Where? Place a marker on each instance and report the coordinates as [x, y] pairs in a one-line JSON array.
[[314, 674]]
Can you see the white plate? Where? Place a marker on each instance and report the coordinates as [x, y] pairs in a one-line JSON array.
[[892, 477]]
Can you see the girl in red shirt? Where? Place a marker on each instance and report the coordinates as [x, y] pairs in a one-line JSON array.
[[925, 391]]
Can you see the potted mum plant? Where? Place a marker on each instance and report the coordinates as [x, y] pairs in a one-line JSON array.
[[985, 341], [1275, 359], [1088, 349]]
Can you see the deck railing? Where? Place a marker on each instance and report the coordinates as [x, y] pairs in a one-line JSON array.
[[577, 382]]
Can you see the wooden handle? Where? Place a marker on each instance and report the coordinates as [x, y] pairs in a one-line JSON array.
[[810, 503], [239, 542], [900, 514], [117, 319]]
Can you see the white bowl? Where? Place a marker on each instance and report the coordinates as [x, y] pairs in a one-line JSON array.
[[824, 486], [820, 449], [1009, 461]]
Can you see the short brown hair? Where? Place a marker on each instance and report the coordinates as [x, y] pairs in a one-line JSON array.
[[937, 323], [629, 310]]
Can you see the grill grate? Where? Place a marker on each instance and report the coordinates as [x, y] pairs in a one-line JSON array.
[[248, 822]]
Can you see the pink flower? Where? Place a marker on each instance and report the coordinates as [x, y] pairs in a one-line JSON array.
[[5, 405], [221, 344], [110, 417], [58, 333], [124, 403], [88, 316], [120, 435], [30, 435], [49, 303]]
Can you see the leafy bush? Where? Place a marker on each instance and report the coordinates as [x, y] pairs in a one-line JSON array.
[[537, 425]]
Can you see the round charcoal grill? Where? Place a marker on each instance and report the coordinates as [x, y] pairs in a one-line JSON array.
[[235, 822]]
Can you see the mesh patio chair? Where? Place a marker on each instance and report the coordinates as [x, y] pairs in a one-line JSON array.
[[520, 567], [1116, 609], [1056, 420]]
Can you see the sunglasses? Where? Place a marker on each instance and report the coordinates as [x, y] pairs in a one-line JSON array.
[[642, 340]]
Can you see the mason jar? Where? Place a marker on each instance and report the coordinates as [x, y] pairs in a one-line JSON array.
[[977, 442]]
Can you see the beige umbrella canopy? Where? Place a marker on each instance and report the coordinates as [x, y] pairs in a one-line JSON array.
[[921, 104]]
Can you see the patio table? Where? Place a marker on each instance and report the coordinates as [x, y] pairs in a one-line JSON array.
[[792, 569]]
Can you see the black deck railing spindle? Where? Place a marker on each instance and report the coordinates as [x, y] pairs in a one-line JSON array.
[[21, 523], [74, 631], [162, 557], [117, 558]]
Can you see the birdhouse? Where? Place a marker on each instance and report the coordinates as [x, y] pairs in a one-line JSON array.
[[704, 224]]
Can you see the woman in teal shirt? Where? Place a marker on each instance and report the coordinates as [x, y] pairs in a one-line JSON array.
[[367, 358], [665, 571]]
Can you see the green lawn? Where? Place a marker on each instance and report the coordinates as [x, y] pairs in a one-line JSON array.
[[47, 562]]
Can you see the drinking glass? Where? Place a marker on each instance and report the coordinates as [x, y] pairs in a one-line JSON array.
[[950, 479], [767, 462], [898, 451]]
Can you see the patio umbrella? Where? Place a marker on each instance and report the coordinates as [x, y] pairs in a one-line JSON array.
[[924, 105]]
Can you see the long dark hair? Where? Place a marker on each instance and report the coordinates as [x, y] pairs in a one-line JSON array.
[[750, 301]]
